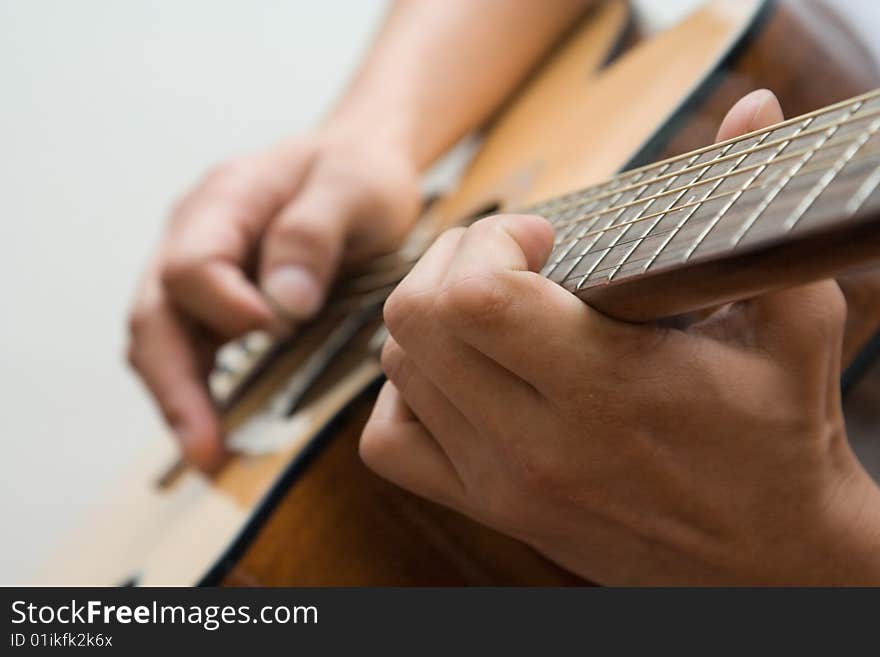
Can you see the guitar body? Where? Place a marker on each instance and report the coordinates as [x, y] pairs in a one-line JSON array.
[[295, 506]]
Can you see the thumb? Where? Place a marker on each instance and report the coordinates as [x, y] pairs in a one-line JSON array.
[[753, 111], [302, 249], [799, 321]]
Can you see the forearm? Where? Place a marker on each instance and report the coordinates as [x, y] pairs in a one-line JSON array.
[[438, 69]]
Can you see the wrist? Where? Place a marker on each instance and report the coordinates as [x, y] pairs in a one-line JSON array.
[[385, 132]]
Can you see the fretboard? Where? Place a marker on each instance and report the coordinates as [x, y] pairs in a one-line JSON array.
[[807, 177]]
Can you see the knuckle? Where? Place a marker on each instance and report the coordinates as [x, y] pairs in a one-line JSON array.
[[478, 298], [306, 234], [232, 177], [403, 310], [139, 321], [132, 355], [533, 474], [485, 228], [391, 359], [375, 446], [398, 367], [177, 270]]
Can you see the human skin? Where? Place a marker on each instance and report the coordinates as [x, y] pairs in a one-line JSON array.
[[255, 244], [628, 454]]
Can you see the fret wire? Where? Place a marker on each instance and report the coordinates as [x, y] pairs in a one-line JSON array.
[[617, 238], [814, 167], [773, 193], [728, 175], [729, 203], [577, 239], [871, 183], [573, 241], [864, 191], [571, 229], [826, 179], [711, 163], [769, 144], [767, 234], [597, 193], [770, 234], [573, 200], [683, 222], [604, 190], [695, 205], [830, 109]]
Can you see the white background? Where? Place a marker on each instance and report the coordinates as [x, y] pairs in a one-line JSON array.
[[107, 111]]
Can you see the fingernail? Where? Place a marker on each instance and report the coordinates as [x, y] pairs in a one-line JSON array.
[[295, 290]]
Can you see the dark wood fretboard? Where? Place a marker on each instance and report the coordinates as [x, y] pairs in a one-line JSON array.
[[790, 203]]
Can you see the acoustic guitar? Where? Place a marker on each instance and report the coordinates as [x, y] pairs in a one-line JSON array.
[[639, 241]]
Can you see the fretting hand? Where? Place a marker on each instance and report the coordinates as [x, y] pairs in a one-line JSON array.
[[628, 454]]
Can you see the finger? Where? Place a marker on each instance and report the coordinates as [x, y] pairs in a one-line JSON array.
[[303, 246], [442, 420], [454, 367], [795, 321], [397, 447], [502, 243], [492, 301], [800, 327], [162, 353], [429, 269], [753, 111], [216, 293], [212, 237]]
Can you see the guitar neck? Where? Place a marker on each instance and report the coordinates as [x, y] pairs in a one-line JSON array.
[[791, 203]]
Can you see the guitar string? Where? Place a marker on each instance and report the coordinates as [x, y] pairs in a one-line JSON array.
[[774, 191], [612, 220], [720, 195], [867, 158], [683, 222], [369, 296], [615, 241], [828, 177], [589, 196], [368, 281], [580, 228], [691, 155], [674, 257], [748, 152], [694, 184], [825, 111], [791, 173], [769, 234], [756, 148]]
